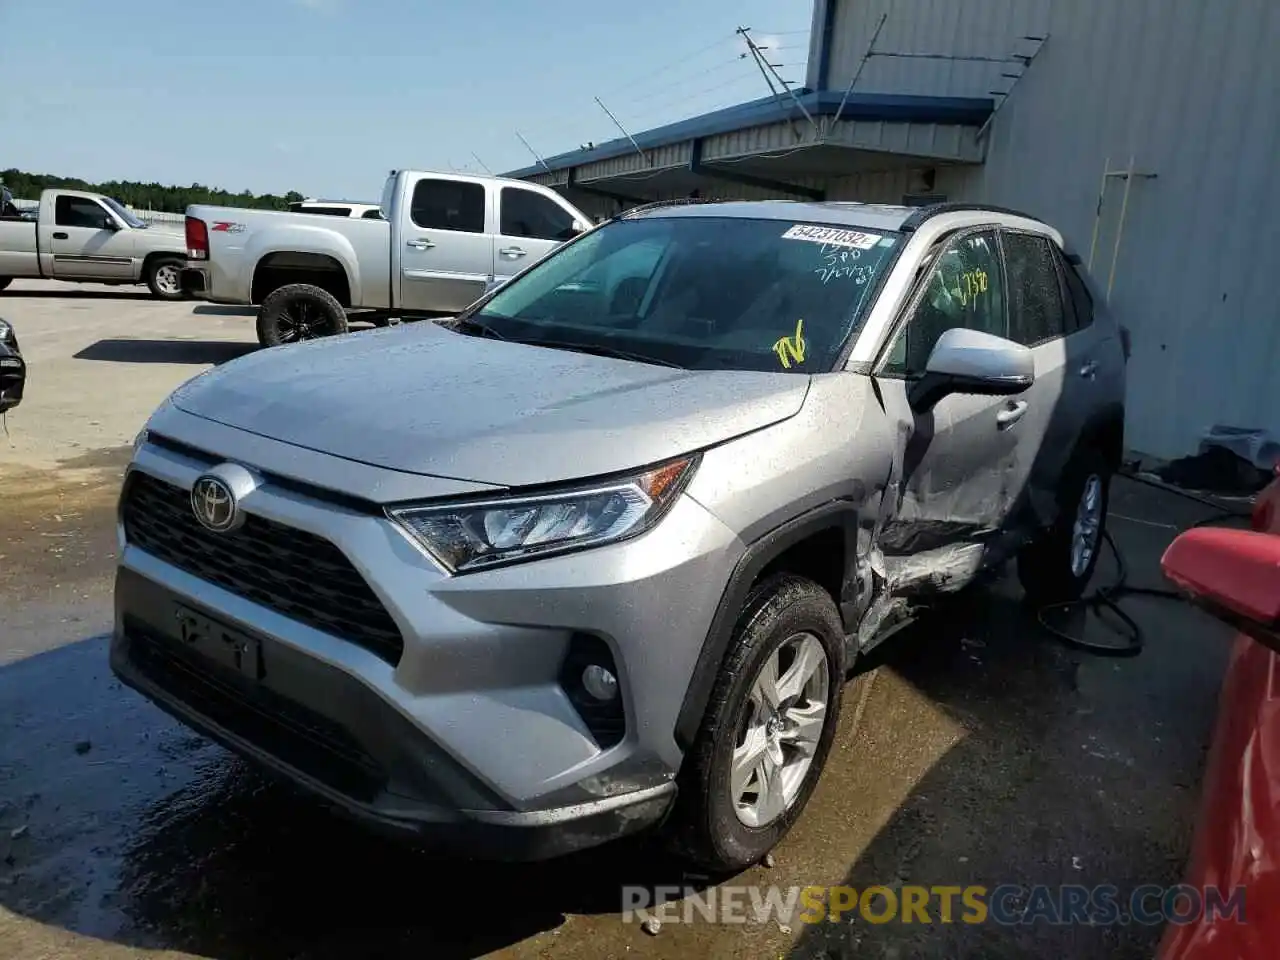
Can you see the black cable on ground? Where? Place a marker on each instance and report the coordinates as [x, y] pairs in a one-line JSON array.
[[1108, 597]]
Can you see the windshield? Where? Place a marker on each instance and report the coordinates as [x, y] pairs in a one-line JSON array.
[[713, 293], [119, 210]]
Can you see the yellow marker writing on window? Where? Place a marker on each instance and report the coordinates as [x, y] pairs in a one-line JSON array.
[[973, 285], [791, 349]]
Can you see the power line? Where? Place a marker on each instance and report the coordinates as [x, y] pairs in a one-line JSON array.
[[565, 121], [681, 61]]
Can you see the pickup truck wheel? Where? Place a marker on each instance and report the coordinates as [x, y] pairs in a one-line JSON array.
[[1057, 566], [164, 277], [5, 281], [299, 312], [768, 729]]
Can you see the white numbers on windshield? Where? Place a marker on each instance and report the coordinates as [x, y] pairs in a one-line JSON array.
[[841, 263]]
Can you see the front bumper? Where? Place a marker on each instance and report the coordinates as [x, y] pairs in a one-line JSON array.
[[325, 731], [471, 730]]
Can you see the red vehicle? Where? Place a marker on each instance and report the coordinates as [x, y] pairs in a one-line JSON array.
[[1235, 574]]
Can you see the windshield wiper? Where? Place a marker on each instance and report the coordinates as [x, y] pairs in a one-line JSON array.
[[479, 327], [598, 349]]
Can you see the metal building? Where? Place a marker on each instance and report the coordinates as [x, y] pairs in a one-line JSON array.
[[1148, 131]]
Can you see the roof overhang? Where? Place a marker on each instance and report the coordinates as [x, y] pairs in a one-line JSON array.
[[780, 144]]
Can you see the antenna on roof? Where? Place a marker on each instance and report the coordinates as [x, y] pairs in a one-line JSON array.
[[534, 152], [483, 165]]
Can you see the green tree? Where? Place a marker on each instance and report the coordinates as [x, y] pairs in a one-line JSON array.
[[144, 196]]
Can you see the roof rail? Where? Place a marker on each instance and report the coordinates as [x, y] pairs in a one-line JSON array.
[[658, 204], [915, 221]]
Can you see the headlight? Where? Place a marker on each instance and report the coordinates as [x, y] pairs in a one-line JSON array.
[[470, 536], [5, 330]]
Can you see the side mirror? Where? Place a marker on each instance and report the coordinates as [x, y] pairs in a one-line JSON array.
[[577, 228], [109, 224], [1233, 574], [970, 361]]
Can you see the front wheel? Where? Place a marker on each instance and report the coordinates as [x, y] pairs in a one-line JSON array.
[[769, 726], [1058, 565], [299, 312], [164, 278]]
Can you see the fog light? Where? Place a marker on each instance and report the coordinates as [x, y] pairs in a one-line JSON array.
[[599, 682], [590, 680]]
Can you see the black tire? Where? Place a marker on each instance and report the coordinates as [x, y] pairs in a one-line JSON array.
[[704, 827], [164, 278], [5, 281], [299, 312], [1045, 565]]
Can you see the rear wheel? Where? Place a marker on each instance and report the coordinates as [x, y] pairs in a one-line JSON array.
[[299, 312], [768, 728], [1059, 564], [164, 278]]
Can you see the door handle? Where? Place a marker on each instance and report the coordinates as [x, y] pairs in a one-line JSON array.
[[422, 244], [1011, 414], [60, 236], [1089, 369], [512, 251]]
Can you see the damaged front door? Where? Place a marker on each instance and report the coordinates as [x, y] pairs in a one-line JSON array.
[[957, 466]]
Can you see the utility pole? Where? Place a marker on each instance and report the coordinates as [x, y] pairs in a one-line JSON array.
[[744, 32], [763, 63]]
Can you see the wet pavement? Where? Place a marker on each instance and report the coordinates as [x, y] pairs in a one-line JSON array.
[[986, 753]]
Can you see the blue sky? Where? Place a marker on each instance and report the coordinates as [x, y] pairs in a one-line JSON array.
[[325, 96]]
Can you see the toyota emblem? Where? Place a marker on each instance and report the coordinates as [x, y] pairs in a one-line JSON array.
[[214, 504]]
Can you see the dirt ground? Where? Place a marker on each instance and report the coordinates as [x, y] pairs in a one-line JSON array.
[[983, 753]]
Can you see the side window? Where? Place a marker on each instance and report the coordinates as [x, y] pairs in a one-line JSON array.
[[1035, 298], [79, 212], [529, 214], [448, 205], [1081, 300], [964, 288]]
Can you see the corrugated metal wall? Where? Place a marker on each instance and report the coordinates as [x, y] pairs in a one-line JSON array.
[[974, 28], [1190, 89]]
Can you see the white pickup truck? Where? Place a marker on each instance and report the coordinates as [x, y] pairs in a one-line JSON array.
[[88, 238], [444, 241]]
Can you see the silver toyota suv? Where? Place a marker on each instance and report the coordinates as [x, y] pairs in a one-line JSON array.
[[598, 554]]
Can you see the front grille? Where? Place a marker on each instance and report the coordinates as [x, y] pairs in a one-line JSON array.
[[297, 574], [287, 730]]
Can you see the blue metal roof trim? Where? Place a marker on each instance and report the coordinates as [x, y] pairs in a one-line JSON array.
[[867, 107]]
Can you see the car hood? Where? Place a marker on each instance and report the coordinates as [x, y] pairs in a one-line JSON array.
[[423, 399]]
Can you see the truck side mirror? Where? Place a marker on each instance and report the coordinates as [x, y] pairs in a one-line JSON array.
[[1233, 574]]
